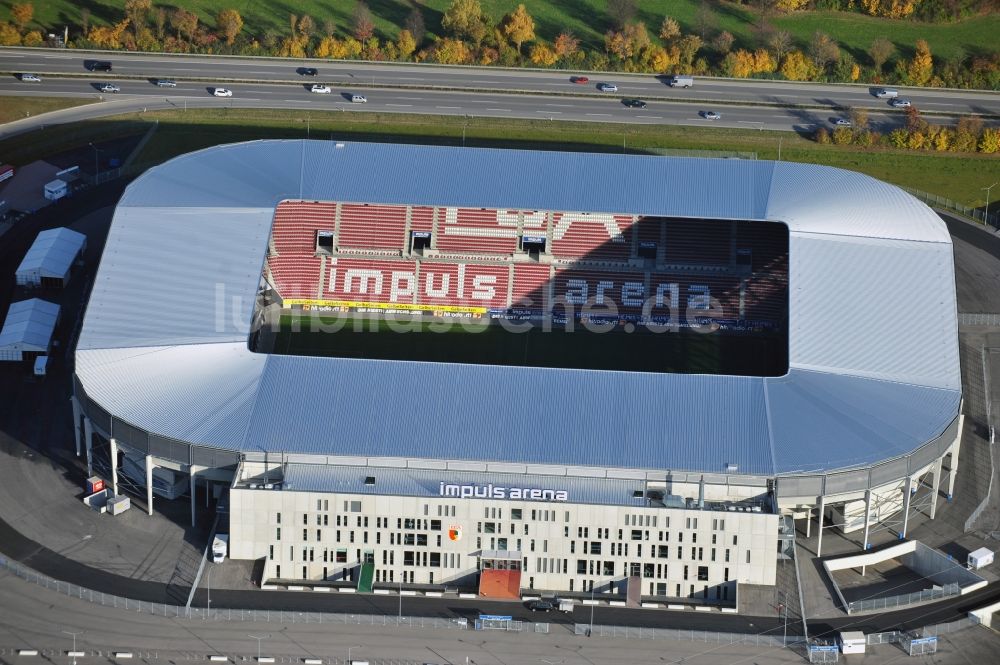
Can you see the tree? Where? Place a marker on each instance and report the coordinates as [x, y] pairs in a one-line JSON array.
[[780, 42], [108, 36], [921, 68], [329, 28], [796, 67], [230, 23], [637, 36], [842, 136], [520, 27], [415, 24], [618, 44], [688, 47], [823, 50], [363, 23], [405, 44], [160, 21], [137, 11], [9, 35], [914, 121], [543, 55], [763, 63], [621, 12], [306, 26], [452, 51], [465, 19], [292, 47], [989, 143], [85, 20], [669, 29], [790, 5], [566, 45], [738, 64], [184, 22], [859, 117], [704, 20], [22, 13], [880, 51], [723, 42]]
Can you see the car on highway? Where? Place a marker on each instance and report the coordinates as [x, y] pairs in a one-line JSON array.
[[607, 87], [900, 103], [541, 606], [308, 71], [710, 115], [109, 87], [98, 65], [842, 122], [634, 103], [579, 79], [166, 83], [320, 88], [359, 99], [222, 92], [31, 78]]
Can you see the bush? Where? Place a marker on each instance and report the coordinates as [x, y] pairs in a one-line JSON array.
[[822, 136]]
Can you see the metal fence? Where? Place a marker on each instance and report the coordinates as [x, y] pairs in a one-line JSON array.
[[988, 219], [868, 604], [717, 154], [978, 319], [226, 614], [705, 636]]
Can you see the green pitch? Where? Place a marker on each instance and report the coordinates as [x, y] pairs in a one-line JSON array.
[[479, 342]]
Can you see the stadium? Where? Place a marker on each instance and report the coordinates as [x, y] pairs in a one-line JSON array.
[[504, 369]]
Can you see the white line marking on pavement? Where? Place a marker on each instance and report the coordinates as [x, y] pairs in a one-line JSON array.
[[447, 107], [651, 117], [400, 105], [504, 110], [550, 112], [607, 115]]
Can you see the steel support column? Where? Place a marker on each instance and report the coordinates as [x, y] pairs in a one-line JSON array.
[[936, 487], [906, 505], [114, 465], [194, 480], [953, 464], [76, 422], [819, 533], [868, 518], [149, 484], [88, 443]]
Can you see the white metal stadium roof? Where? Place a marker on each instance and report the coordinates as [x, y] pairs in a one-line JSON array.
[[873, 335]]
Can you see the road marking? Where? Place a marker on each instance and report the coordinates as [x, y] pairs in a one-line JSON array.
[[550, 112], [415, 99], [607, 115], [562, 105], [504, 110], [400, 105], [651, 117], [447, 107]]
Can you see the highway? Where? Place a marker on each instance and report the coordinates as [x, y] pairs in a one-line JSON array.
[[463, 91]]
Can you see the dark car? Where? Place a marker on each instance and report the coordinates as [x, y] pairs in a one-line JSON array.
[[541, 606], [308, 71], [634, 103], [99, 66]]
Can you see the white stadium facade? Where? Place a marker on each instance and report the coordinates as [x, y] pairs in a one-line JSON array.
[[655, 485]]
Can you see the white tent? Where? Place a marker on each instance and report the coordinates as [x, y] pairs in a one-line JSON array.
[[28, 329], [50, 258]]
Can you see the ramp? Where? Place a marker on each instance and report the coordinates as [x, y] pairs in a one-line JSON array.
[[366, 578], [500, 584], [634, 591]]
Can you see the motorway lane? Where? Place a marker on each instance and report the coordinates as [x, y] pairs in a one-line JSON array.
[[607, 108], [552, 82]]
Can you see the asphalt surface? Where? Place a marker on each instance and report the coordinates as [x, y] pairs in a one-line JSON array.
[[461, 91]]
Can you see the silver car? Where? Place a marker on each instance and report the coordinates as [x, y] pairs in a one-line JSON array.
[[110, 87], [166, 83]]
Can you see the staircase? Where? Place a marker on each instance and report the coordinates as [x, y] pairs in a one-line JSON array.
[[366, 578]]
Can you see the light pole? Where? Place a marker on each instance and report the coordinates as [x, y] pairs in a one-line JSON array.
[[591, 630], [988, 199], [97, 166], [74, 634], [784, 616], [259, 638], [349, 650], [400, 601], [210, 590]]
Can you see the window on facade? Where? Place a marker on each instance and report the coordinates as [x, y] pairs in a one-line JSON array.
[[341, 556], [748, 556], [270, 552], [501, 543], [581, 566], [422, 539], [305, 534], [608, 568], [648, 569], [636, 534], [435, 525], [663, 551], [409, 523], [685, 572], [703, 573], [727, 556], [595, 547], [435, 560], [278, 534], [279, 518], [319, 535], [489, 527], [409, 539], [408, 558], [355, 506]]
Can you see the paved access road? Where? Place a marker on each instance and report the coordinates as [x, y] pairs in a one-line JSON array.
[[341, 73]]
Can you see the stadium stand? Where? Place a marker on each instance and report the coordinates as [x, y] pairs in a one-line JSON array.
[[364, 226], [593, 236], [530, 285], [477, 231], [697, 241]]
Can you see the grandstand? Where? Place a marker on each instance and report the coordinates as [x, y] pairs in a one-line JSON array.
[[853, 278]]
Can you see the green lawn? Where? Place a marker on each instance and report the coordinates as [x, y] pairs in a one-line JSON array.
[[585, 18], [15, 108]]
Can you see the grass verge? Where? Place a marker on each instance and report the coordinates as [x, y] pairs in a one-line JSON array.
[[15, 108]]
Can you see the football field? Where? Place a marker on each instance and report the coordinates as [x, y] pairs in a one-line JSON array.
[[479, 341]]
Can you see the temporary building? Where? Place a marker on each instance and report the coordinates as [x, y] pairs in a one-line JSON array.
[[50, 259], [27, 330]]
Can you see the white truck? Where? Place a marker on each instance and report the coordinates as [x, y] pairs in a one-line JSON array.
[[220, 548], [681, 81]]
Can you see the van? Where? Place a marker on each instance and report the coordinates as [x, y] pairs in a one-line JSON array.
[[681, 82], [886, 93], [358, 99]]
